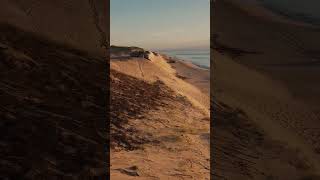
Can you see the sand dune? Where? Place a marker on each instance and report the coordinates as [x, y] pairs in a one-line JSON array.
[[164, 128], [82, 24], [53, 89], [159, 69], [52, 114], [263, 77]]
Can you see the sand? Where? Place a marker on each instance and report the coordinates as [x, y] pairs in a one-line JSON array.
[[163, 127], [265, 96], [52, 113], [193, 74], [53, 89], [83, 24]]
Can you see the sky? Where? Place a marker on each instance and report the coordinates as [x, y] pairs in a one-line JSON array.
[[160, 24]]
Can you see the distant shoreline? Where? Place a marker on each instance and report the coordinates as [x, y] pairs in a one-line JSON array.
[[186, 61]]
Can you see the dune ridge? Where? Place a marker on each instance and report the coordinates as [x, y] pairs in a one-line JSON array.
[[169, 130]]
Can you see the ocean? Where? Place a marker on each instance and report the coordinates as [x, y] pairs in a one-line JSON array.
[[198, 57], [306, 11]]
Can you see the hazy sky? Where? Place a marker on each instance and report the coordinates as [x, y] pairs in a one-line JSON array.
[[160, 24]]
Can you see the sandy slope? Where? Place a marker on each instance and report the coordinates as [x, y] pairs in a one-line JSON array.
[[170, 125], [52, 113], [193, 74], [265, 75], [159, 69], [82, 23], [53, 89]]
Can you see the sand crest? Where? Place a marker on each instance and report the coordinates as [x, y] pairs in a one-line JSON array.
[[167, 134]]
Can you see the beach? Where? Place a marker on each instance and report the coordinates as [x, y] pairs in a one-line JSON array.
[[265, 95], [199, 57], [163, 131]]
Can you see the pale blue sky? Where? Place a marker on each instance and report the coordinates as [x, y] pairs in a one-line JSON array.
[[160, 24]]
